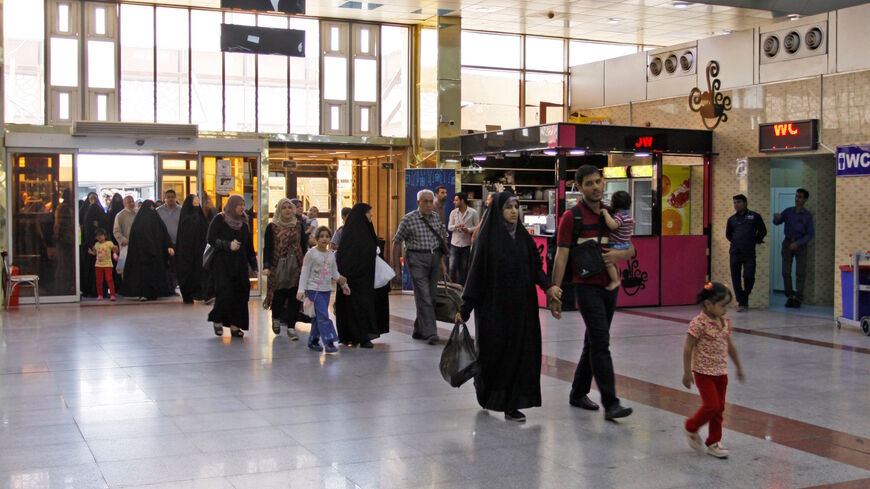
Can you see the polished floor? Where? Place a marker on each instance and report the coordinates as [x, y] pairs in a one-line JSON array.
[[144, 395]]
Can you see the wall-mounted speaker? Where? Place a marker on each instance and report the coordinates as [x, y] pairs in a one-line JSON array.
[[655, 66], [770, 46], [792, 42], [262, 40]]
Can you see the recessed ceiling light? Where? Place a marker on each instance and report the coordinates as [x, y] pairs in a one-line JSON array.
[[680, 4], [727, 31], [612, 20], [793, 16]]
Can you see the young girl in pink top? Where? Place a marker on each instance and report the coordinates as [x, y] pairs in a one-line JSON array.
[[708, 345]]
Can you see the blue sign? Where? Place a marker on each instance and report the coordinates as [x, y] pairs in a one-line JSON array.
[[853, 160], [417, 179]]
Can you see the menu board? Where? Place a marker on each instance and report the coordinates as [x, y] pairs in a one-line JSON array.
[[676, 200]]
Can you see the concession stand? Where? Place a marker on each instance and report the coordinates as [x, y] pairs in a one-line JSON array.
[[666, 172]]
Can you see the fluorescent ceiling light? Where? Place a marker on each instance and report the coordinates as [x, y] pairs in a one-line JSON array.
[[680, 4], [641, 155], [480, 158], [550, 152], [577, 152]]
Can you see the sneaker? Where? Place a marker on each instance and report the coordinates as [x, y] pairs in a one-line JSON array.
[[291, 333], [99, 297], [717, 450], [694, 440], [515, 416], [331, 349], [617, 411], [742, 308], [315, 347], [276, 326], [112, 298]]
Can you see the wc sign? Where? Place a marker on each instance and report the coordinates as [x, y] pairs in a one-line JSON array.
[[853, 160]]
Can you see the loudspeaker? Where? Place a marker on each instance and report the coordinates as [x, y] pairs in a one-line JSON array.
[[284, 6], [262, 40]]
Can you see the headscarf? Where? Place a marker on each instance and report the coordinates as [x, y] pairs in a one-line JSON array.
[[233, 220], [278, 220], [358, 245], [189, 210]]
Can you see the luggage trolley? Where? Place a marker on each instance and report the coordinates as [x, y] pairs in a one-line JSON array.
[[857, 288]]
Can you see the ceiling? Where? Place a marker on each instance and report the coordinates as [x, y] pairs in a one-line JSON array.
[[652, 22]]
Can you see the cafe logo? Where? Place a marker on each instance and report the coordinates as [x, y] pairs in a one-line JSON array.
[[711, 104], [633, 278]]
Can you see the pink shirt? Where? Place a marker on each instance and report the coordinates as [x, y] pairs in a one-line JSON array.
[[711, 350]]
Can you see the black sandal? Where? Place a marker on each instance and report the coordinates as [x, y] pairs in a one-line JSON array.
[[218, 329], [238, 333]]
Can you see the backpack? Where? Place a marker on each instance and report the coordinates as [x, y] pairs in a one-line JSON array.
[[586, 255]]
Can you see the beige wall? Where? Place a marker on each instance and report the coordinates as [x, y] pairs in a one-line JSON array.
[[846, 120]]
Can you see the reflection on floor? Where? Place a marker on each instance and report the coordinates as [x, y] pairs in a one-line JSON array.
[[146, 396], [777, 304]]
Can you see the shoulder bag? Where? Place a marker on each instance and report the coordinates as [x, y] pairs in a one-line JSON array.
[[444, 249], [587, 254]]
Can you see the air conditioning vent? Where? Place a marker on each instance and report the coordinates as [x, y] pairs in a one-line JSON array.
[[134, 129], [671, 63], [813, 38], [771, 46], [655, 67], [792, 42], [687, 61]]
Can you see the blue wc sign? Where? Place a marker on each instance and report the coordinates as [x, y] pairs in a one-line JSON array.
[[853, 160]]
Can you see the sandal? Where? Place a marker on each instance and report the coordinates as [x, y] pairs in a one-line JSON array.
[[238, 333], [218, 329]]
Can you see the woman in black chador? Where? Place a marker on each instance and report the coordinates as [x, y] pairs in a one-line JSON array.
[[92, 217], [115, 206], [189, 246], [505, 269], [147, 256], [356, 314], [232, 265]]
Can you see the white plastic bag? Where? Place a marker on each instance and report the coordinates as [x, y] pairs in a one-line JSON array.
[[308, 307], [122, 259], [383, 272]]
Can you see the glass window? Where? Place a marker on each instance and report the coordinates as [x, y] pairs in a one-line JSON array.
[[102, 106], [365, 80], [545, 54], [65, 62], [364, 117], [207, 63], [239, 92], [490, 98], [394, 81], [588, 52], [364, 42], [429, 84], [63, 105], [137, 63], [334, 38], [62, 17], [334, 78], [100, 21], [547, 88], [272, 84], [305, 80], [495, 50], [23, 61], [173, 87], [101, 64]]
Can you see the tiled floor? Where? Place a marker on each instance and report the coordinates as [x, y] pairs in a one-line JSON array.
[[130, 395]]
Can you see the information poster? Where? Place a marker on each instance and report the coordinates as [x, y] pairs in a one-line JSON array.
[[676, 200], [225, 182]]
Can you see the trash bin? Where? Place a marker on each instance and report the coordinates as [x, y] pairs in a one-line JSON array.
[[846, 276]]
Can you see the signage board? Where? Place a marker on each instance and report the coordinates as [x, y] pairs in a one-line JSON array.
[[853, 160], [225, 182], [788, 136]]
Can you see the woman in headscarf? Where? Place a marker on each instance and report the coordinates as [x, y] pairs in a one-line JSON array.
[[92, 218], [189, 245], [145, 271], [233, 262], [283, 251], [500, 289], [356, 314]]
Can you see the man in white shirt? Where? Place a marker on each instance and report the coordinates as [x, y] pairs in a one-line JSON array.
[[463, 222]]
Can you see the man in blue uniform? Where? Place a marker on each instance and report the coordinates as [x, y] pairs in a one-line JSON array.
[[799, 230], [744, 230]]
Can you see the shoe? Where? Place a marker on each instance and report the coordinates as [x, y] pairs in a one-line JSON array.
[[694, 440], [367, 344], [276, 326], [584, 403], [789, 302], [218, 329], [617, 411], [717, 450], [417, 336], [291, 333], [433, 340], [112, 298], [99, 297], [236, 331], [331, 349], [742, 308], [515, 416], [315, 347], [143, 299], [796, 303]]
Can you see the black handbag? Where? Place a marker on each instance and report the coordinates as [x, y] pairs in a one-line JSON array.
[[207, 256], [448, 299], [586, 255], [459, 358]]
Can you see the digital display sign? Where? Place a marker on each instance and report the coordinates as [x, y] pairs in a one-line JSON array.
[[788, 136]]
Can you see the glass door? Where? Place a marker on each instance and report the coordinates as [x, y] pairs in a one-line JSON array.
[[179, 173], [43, 227]]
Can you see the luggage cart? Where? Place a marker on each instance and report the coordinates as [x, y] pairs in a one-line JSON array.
[[857, 289]]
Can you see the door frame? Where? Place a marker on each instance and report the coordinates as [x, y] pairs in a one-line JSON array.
[[777, 235]]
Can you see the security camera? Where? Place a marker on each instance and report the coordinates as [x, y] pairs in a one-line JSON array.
[[140, 142], [551, 14], [452, 123]]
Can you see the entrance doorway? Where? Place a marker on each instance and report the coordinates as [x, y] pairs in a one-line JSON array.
[[815, 174], [178, 173]]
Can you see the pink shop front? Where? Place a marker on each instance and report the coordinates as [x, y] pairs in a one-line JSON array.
[[666, 172]]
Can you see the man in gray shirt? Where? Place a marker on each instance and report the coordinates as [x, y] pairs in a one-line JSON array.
[[169, 213]]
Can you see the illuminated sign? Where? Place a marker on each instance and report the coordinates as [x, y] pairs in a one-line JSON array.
[[788, 136], [641, 171], [614, 172], [853, 160], [645, 143]]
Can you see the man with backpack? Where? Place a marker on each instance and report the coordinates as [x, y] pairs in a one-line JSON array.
[[582, 236]]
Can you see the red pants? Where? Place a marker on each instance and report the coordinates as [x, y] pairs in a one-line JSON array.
[[712, 389], [107, 272]]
